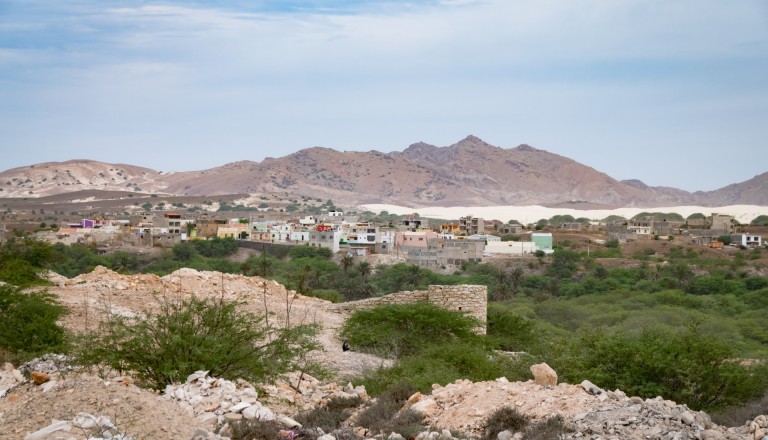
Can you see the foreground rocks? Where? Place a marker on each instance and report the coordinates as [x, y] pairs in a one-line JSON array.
[[79, 406], [464, 406]]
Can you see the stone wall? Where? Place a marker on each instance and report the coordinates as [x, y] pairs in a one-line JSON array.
[[470, 299]]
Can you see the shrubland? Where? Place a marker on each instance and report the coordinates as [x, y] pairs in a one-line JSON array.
[[674, 323]]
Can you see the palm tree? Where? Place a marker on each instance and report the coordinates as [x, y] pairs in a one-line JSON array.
[[346, 262], [365, 269], [516, 279], [682, 273]]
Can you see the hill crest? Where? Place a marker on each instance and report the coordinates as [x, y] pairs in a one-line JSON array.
[[469, 172]]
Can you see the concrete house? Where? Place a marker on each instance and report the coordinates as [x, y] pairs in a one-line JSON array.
[[327, 239], [416, 239], [722, 222], [543, 241], [471, 225], [747, 240]]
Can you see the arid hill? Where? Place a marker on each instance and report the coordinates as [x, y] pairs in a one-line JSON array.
[[467, 173]]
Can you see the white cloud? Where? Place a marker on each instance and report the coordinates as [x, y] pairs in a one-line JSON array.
[[592, 75]]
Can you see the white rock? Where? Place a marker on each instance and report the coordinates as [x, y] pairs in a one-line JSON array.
[[505, 435], [289, 422], [591, 388], [84, 420], [326, 437], [258, 412], [179, 394], [239, 407], [207, 419], [48, 386], [426, 406], [42, 434]]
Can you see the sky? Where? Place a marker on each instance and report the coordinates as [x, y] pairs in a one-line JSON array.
[[674, 92]]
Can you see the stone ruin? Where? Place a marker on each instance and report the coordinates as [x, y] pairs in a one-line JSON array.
[[470, 299]]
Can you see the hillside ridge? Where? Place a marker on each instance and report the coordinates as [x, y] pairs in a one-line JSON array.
[[469, 172]]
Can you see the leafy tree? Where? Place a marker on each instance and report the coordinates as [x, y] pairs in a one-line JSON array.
[[28, 324], [398, 329], [760, 220], [564, 264], [309, 252], [184, 251], [686, 366], [196, 334], [508, 330], [216, 247]]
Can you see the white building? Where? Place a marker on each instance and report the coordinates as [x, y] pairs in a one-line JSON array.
[[510, 247], [747, 240]]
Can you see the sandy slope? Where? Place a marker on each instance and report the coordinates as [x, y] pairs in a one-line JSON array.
[[532, 213]]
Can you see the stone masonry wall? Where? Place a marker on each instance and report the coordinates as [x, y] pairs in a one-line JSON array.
[[471, 299]]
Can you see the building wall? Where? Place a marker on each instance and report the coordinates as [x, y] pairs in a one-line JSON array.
[[421, 239], [543, 240], [471, 299], [511, 247]]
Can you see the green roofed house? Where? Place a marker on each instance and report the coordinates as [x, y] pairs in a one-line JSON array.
[[543, 241]]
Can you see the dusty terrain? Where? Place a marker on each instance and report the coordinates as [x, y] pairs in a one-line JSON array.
[[202, 401]]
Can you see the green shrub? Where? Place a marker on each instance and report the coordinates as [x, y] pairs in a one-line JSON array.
[[194, 334], [330, 416], [384, 415], [399, 330], [509, 331], [309, 252], [19, 273], [687, 366], [445, 364], [503, 419], [551, 428], [28, 324], [245, 429], [737, 415]]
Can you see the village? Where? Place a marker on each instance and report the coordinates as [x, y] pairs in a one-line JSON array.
[[417, 240]]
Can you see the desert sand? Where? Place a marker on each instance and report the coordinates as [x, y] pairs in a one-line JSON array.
[[531, 214]]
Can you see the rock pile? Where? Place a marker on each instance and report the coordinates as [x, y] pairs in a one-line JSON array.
[[590, 412], [10, 378], [217, 402], [758, 428]]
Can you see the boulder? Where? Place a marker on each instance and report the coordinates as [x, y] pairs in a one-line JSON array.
[[543, 374], [591, 388], [39, 378]]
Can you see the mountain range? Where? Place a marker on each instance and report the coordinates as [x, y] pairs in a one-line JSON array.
[[470, 172]]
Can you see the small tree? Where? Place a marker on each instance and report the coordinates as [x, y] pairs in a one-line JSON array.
[[196, 334], [28, 324], [400, 329]]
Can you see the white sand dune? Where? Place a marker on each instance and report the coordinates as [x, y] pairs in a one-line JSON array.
[[531, 214]]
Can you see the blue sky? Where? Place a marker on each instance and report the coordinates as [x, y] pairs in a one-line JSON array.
[[674, 93]]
